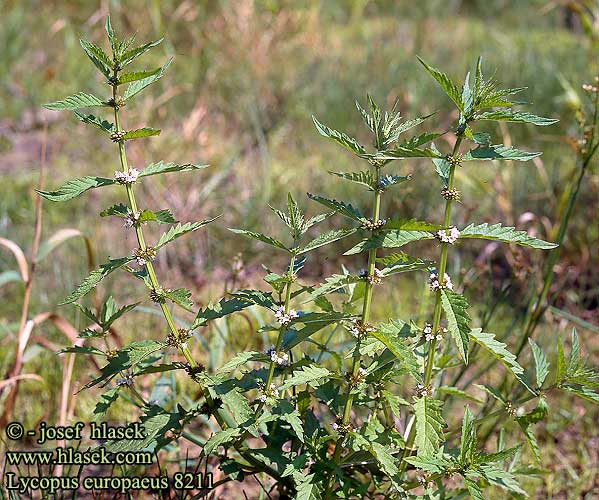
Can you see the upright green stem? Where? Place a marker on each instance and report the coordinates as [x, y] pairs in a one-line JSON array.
[[139, 232], [376, 212], [282, 330], [430, 361]]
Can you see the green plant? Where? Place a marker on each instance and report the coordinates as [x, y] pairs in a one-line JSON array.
[[292, 412]]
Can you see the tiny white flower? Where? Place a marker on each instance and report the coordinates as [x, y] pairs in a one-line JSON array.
[[448, 235], [183, 345], [126, 177]]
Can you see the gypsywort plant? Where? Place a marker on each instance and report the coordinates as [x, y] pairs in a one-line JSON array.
[[339, 404]]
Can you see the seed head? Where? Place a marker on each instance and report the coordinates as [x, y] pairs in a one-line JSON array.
[[118, 136], [450, 194]]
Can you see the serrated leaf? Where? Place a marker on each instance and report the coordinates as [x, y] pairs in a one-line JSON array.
[[446, 84], [133, 54], [389, 239], [98, 57], [161, 217], [126, 358], [499, 351], [94, 279], [76, 101], [506, 234], [140, 133], [308, 374], [141, 81], [474, 489], [541, 363], [180, 296], [509, 115], [165, 168], [339, 137], [458, 393], [583, 392], [403, 152], [155, 425], [75, 187], [261, 237], [325, 239], [228, 306], [339, 206], [442, 166], [405, 354], [429, 426], [365, 178], [468, 439], [104, 403], [333, 284], [179, 230], [501, 478], [456, 307], [119, 210], [103, 125], [498, 152], [409, 225]]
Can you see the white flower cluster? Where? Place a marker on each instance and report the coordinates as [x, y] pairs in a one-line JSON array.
[[131, 219], [589, 88], [435, 284], [374, 279], [272, 391], [359, 330], [285, 318], [424, 390], [126, 177], [448, 235], [430, 336], [281, 358]]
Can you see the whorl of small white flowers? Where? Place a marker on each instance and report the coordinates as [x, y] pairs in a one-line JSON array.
[[280, 358], [435, 284], [373, 225], [144, 256], [587, 87], [359, 330], [131, 219], [428, 332], [285, 317], [126, 177], [448, 235], [422, 390], [271, 391]]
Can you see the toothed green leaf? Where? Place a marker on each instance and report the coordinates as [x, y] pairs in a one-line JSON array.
[[541, 363], [339, 137], [325, 239], [76, 101], [103, 125], [75, 187], [498, 152], [450, 88], [133, 54], [140, 82], [429, 426], [389, 239], [339, 207], [506, 234], [509, 115], [140, 132], [261, 237], [98, 57], [456, 307], [94, 279], [180, 230], [499, 351], [165, 168]]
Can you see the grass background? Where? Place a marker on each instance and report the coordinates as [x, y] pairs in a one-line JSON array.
[[246, 77]]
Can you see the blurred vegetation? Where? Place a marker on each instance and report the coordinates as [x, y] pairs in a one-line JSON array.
[[246, 78]]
